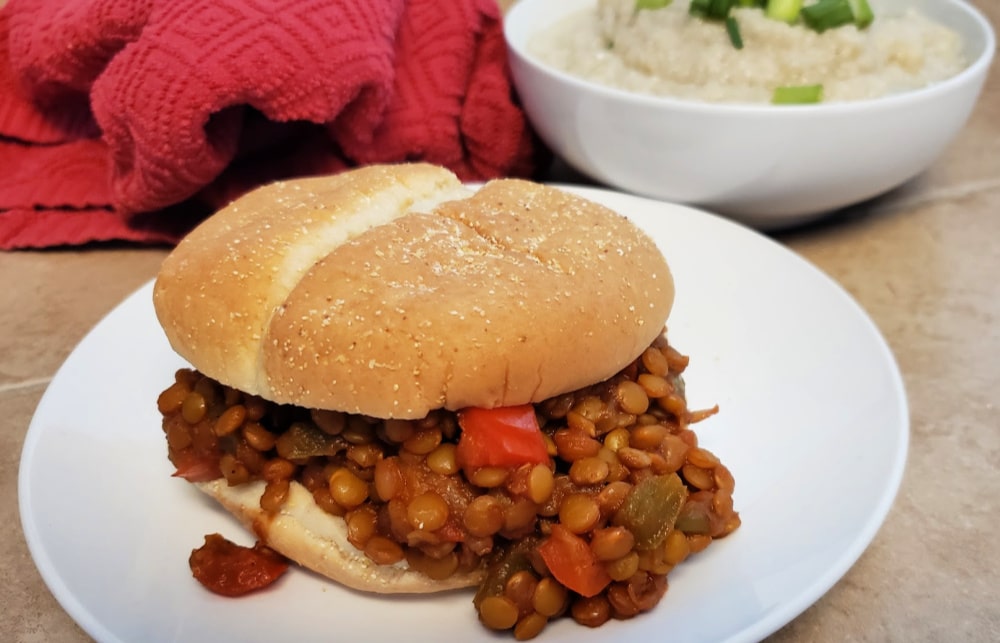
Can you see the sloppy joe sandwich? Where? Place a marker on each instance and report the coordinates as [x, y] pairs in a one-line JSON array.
[[409, 385]]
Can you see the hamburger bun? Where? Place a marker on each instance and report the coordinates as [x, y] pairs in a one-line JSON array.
[[394, 290], [318, 541]]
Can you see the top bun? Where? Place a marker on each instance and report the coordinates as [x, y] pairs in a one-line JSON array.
[[394, 290]]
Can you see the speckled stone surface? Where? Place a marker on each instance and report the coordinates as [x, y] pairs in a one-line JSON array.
[[924, 261]]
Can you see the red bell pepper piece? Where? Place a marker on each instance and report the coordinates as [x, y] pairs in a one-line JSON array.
[[507, 436], [573, 563]]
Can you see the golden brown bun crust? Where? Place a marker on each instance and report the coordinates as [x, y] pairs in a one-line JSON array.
[[390, 291], [318, 541]]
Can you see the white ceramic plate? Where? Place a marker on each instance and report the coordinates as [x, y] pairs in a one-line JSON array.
[[813, 424]]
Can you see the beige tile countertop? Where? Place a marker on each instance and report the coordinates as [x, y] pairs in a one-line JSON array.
[[924, 261]]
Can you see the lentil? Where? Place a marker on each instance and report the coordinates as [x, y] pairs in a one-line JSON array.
[[575, 444], [256, 435], [592, 612], [398, 431], [388, 480], [489, 477], [428, 511], [540, 484], [171, 399], [193, 408], [520, 589], [347, 489], [383, 551], [611, 543], [435, 568], [423, 442], [484, 516], [579, 513], [632, 397], [330, 422], [623, 568], [230, 420], [549, 598], [361, 526], [530, 626], [275, 493], [589, 471], [498, 613], [403, 496], [442, 460]]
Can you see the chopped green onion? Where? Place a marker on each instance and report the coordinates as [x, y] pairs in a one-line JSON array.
[[797, 94], [752, 3], [827, 14], [784, 10], [720, 9], [863, 15], [711, 9], [699, 7], [733, 29], [651, 4]]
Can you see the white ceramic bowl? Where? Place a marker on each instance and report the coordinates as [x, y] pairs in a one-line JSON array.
[[768, 166]]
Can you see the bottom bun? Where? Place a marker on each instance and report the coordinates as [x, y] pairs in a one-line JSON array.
[[306, 534]]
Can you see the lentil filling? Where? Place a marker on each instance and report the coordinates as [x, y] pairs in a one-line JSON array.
[[626, 495]]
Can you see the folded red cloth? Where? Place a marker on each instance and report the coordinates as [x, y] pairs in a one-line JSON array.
[[112, 111]]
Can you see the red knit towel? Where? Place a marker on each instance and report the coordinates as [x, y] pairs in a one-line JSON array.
[[112, 111]]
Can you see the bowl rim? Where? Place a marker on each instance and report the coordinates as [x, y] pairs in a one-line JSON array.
[[974, 72]]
